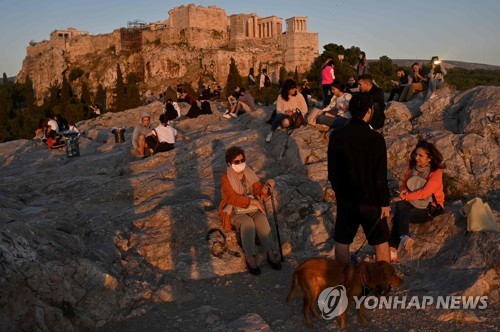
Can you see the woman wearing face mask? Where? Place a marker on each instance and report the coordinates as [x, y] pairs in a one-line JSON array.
[[238, 183], [422, 184]]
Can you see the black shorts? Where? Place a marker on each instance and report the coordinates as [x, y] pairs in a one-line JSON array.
[[351, 215]]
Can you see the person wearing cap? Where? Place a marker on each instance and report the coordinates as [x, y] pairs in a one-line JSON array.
[[140, 132]]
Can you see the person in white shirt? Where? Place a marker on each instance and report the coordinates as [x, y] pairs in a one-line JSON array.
[[53, 124], [163, 137]]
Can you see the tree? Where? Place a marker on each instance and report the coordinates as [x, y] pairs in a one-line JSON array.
[[29, 94], [133, 96], [282, 76], [85, 97], [233, 78], [119, 92], [66, 91], [100, 97], [5, 80]]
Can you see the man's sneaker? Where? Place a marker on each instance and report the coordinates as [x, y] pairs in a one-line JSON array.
[[269, 136], [234, 115]]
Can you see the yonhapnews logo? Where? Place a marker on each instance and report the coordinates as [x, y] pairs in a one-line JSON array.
[[332, 301]]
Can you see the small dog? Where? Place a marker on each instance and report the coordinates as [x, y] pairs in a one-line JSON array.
[[315, 274]]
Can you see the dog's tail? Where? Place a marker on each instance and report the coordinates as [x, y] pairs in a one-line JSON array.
[[293, 290]]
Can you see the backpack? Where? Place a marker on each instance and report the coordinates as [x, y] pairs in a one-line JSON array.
[[296, 121], [267, 81]]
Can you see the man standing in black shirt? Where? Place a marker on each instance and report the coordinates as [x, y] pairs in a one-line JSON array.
[[366, 85], [357, 170]]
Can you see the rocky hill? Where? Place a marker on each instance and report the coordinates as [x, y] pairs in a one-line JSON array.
[[449, 63], [108, 241]]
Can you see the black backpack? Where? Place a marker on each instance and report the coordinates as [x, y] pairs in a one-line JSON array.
[[267, 81]]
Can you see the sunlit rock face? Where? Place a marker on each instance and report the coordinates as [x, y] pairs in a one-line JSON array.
[[105, 236]]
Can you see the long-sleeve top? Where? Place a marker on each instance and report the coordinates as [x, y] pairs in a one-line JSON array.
[[357, 164], [434, 185], [436, 75], [229, 196], [293, 103], [139, 130], [337, 104], [327, 75]]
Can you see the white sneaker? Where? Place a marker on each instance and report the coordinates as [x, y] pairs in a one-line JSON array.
[[433, 95], [269, 136], [234, 115], [226, 115]]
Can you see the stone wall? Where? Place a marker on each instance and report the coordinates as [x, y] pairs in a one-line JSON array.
[[300, 50], [192, 16]]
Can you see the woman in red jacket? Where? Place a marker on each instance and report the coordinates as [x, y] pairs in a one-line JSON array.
[[241, 189], [422, 184]]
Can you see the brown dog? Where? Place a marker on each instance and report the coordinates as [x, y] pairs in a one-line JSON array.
[[315, 274]]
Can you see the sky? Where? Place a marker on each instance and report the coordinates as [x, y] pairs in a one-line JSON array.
[[461, 30]]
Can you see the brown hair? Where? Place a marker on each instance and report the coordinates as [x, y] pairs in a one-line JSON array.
[[432, 152], [233, 152]]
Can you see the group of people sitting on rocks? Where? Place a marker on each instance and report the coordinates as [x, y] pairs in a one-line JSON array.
[[147, 140], [241, 206], [51, 131], [417, 81]]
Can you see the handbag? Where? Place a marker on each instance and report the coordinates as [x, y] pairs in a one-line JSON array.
[[249, 209], [434, 210]]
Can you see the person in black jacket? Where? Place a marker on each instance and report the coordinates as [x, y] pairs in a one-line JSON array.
[[357, 170], [398, 86], [366, 85]]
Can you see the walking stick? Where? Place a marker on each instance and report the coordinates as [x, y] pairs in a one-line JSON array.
[[276, 223]]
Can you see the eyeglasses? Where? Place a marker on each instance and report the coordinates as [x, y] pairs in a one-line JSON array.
[[238, 161]]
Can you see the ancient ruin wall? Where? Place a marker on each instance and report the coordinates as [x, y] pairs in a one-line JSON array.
[[201, 41], [191, 16]]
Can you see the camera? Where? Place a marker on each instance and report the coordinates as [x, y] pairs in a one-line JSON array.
[[437, 62]]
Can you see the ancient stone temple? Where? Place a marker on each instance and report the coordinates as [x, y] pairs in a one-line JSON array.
[[193, 44]]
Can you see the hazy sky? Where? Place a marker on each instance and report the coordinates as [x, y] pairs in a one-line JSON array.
[[463, 30]]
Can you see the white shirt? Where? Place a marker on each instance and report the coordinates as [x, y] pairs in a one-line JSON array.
[[53, 124], [166, 134]]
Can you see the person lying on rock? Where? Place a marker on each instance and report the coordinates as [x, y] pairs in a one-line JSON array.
[[162, 138], [336, 114], [422, 186], [241, 207]]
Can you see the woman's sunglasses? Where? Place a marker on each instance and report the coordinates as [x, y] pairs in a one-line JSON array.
[[238, 161]]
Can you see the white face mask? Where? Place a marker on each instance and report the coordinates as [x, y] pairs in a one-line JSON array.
[[238, 168]]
